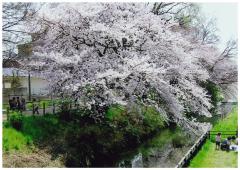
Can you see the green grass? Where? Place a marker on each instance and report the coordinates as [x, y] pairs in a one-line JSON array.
[[15, 140], [228, 123], [48, 103], [208, 157], [34, 129]]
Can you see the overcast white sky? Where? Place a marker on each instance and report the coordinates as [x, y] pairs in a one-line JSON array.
[[227, 19]]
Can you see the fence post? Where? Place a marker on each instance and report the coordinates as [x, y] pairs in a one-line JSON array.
[[33, 108], [7, 113], [208, 134], [44, 108]]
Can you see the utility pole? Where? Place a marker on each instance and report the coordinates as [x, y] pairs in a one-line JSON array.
[[29, 87]]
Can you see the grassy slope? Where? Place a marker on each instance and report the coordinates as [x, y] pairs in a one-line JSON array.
[[228, 123], [34, 129], [41, 129], [208, 157], [15, 140], [19, 149]]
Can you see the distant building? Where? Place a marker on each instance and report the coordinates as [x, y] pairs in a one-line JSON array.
[[15, 77], [15, 82]]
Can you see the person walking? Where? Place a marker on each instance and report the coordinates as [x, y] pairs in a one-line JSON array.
[[23, 104], [35, 106], [10, 101], [14, 103], [18, 104], [218, 141]]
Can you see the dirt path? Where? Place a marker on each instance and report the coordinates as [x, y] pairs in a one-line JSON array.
[[32, 159]]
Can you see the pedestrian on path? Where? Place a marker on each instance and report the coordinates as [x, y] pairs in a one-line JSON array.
[[23, 106], [35, 107], [14, 103], [19, 105], [218, 141]]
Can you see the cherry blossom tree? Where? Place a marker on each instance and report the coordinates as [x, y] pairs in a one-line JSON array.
[[14, 17], [102, 54], [224, 68]]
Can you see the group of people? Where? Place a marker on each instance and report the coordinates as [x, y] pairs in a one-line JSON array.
[[17, 104], [230, 143], [20, 104]]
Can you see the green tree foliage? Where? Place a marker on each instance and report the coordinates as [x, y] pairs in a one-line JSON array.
[[215, 92], [16, 120], [15, 81]]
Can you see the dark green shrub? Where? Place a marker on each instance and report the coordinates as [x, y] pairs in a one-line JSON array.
[[114, 110], [29, 106], [65, 113], [16, 120], [29, 141], [41, 127], [178, 141], [152, 120], [6, 124], [215, 92]]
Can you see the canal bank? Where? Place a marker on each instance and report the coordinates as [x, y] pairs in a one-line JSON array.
[[163, 150]]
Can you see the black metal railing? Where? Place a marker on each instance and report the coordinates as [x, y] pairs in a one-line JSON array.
[[43, 107], [184, 162]]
